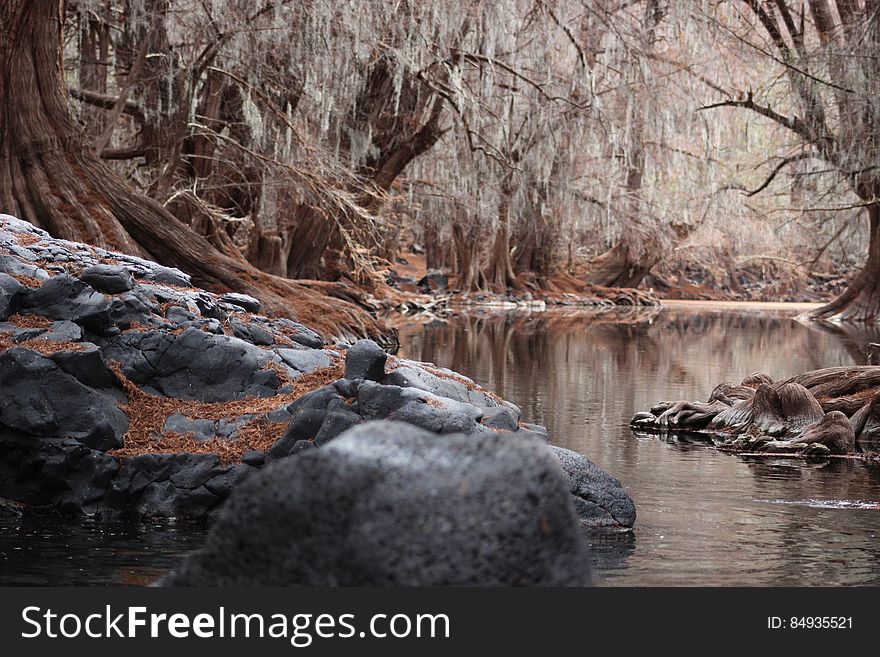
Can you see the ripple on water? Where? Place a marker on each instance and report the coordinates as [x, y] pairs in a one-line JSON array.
[[828, 504]]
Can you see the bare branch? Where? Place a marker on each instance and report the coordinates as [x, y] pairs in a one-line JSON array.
[[793, 123], [107, 101], [779, 167]]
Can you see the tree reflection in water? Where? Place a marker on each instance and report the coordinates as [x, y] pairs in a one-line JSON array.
[[704, 517]]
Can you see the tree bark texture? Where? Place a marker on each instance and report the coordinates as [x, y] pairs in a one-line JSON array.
[[49, 177]]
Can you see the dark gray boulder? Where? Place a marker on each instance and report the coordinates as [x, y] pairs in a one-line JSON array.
[[537, 429], [87, 366], [387, 504], [433, 281], [501, 418], [167, 275], [134, 306], [111, 279], [451, 385], [307, 415], [339, 418], [59, 473], [297, 332], [200, 429], [174, 485], [305, 360], [63, 331], [164, 499], [21, 263], [377, 401], [365, 360], [436, 419], [64, 297], [599, 499], [18, 334], [254, 458], [51, 402], [11, 292], [195, 364], [251, 332], [243, 301]]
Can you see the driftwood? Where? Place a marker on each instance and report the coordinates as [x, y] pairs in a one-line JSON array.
[[831, 411]]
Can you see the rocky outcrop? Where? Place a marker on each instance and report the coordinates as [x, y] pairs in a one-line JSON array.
[[388, 504], [127, 390]]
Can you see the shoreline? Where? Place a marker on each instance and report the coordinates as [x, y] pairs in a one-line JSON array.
[[741, 305]]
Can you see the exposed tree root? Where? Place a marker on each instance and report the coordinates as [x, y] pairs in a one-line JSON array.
[[835, 410]]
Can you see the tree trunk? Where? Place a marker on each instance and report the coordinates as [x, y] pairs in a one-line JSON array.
[[437, 250], [397, 137], [467, 254], [499, 272], [94, 62], [860, 302], [617, 267], [308, 241], [49, 177]]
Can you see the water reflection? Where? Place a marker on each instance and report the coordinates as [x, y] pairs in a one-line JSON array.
[[705, 517], [48, 551]]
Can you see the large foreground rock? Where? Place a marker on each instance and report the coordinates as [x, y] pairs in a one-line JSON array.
[[391, 504]]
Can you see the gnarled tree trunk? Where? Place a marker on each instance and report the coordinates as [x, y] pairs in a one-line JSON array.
[[49, 177], [618, 267], [397, 135], [499, 271], [621, 266], [860, 302]]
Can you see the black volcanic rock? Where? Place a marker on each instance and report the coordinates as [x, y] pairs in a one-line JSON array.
[[365, 360], [11, 292], [112, 279], [599, 499], [47, 401], [243, 301], [387, 504], [64, 297], [95, 344]]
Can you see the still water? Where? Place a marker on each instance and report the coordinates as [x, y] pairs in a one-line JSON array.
[[704, 517]]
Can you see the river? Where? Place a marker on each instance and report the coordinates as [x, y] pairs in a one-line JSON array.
[[704, 517]]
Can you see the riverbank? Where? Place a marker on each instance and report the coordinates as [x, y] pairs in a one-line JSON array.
[[408, 286], [717, 304], [706, 518]]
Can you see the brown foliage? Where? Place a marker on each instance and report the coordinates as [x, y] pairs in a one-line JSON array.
[[148, 413]]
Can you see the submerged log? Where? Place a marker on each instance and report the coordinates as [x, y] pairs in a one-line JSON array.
[[830, 411]]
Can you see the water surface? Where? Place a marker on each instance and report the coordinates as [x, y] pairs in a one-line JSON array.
[[704, 517]]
